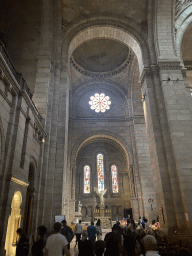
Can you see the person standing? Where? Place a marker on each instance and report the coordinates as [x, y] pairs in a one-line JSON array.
[[84, 233], [78, 232], [139, 221], [99, 230], [92, 231], [67, 232], [150, 246], [143, 222], [23, 244], [113, 242], [39, 244], [56, 243], [147, 228]]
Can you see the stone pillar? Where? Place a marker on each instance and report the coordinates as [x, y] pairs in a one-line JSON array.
[[43, 76], [144, 174], [73, 182], [179, 118]]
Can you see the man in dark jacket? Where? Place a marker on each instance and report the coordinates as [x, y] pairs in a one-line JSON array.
[[67, 232]]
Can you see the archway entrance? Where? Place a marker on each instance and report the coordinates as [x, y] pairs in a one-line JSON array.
[[29, 201], [102, 162]]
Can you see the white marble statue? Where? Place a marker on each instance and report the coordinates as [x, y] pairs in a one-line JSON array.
[[79, 207], [101, 194]]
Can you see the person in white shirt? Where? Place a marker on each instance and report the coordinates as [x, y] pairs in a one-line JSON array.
[[150, 245], [56, 243], [78, 232]]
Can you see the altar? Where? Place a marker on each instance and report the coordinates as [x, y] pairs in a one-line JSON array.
[[105, 217], [101, 213]]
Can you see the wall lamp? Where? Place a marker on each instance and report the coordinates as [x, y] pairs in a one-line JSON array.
[[144, 95]]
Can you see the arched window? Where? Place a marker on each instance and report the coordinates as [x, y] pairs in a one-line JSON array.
[[86, 179], [114, 178], [100, 172]]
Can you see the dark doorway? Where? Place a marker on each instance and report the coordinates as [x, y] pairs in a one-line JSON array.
[[128, 212], [29, 201]]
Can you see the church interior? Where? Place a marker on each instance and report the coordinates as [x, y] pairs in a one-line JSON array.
[[95, 96]]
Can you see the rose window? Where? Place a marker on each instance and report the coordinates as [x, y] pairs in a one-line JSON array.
[[100, 102]]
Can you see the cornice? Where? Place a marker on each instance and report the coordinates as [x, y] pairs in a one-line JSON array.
[[19, 182], [169, 65]]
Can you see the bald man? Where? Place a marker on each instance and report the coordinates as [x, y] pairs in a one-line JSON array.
[[150, 245]]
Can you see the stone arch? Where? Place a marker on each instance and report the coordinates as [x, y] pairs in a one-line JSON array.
[[108, 84], [108, 32], [183, 21], [101, 134], [14, 222], [126, 31]]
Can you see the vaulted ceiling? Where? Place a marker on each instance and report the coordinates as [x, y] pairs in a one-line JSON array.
[[74, 9]]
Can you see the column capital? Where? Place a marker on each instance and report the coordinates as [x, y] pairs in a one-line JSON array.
[[169, 65]]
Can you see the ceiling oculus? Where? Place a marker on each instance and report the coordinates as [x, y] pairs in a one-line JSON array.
[[100, 102]]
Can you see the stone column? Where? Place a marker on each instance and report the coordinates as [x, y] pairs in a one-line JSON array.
[[44, 64], [179, 118], [143, 170], [73, 182]]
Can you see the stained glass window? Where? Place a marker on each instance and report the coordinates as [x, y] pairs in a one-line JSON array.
[[100, 102], [100, 172], [86, 179], [114, 179]]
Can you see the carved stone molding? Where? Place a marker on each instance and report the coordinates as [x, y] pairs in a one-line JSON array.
[[103, 74], [184, 72], [39, 133], [147, 72], [170, 65], [19, 182], [180, 5]]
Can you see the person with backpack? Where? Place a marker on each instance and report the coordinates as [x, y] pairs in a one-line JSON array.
[[67, 232], [23, 244]]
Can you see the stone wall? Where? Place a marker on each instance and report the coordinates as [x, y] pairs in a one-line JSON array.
[[22, 134]]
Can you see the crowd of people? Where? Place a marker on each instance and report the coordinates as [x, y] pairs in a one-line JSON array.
[[134, 239]]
